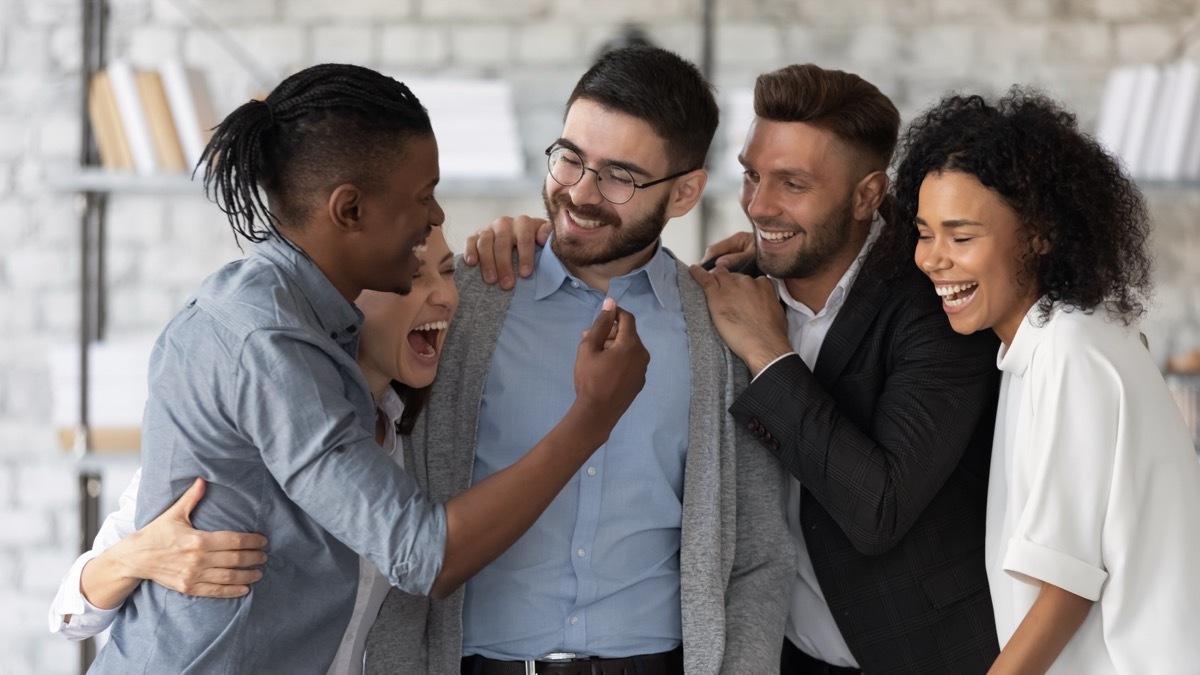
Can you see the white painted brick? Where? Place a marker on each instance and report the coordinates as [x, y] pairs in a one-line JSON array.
[[347, 10], [482, 10], [24, 527], [983, 11], [413, 45], [281, 50], [226, 13], [20, 315], [141, 309], [13, 139], [639, 11], [344, 44], [36, 270], [58, 137], [481, 44], [27, 51], [21, 438], [51, 12], [135, 219], [1143, 42], [749, 44], [64, 47], [42, 570], [16, 226], [57, 222], [550, 43], [58, 311], [56, 656], [946, 51], [149, 46], [876, 44]]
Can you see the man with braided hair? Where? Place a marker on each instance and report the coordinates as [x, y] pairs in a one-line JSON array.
[[254, 387]]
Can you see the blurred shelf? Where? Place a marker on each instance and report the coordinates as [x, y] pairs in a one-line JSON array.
[[122, 182]]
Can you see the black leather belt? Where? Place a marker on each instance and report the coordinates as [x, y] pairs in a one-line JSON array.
[[665, 663]]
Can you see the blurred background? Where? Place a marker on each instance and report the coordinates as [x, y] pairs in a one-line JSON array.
[[95, 260]]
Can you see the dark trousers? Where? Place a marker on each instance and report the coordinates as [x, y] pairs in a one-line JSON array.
[[795, 662]]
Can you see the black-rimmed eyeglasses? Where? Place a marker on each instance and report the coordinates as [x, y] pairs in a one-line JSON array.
[[615, 183]]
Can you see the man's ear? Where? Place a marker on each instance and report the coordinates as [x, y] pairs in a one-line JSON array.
[[686, 192], [869, 194], [345, 207]]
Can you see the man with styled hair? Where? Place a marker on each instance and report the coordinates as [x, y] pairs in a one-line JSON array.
[[881, 414], [669, 548]]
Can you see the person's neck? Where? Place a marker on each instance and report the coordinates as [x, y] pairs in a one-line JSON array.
[[377, 382], [814, 290], [327, 259], [599, 276]]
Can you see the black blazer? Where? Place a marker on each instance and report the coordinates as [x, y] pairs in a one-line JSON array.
[[891, 440]]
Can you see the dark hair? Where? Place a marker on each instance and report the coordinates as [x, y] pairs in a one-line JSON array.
[[1065, 189], [841, 103], [414, 402], [324, 126], [661, 88]]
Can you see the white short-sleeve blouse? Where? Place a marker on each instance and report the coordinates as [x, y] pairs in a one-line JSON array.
[[1095, 488]]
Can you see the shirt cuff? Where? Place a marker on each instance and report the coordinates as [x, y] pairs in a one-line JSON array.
[[86, 619], [777, 359], [1033, 563]]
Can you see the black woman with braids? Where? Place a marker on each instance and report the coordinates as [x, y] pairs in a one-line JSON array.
[[1028, 228], [254, 388]]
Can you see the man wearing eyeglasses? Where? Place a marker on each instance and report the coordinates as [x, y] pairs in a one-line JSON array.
[[669, 547]]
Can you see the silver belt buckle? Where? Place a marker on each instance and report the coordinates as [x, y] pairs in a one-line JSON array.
[[555, 656]]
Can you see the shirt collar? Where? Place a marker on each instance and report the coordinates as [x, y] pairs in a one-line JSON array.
[[838, 295], [341, 320], [391, 404], [1014, 358], [551, 274]]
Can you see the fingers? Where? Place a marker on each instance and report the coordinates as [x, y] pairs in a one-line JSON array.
[[232, 541], [626, 328], [501, 255], [543, 233], [182, 508], [598, 333], [734, 243], [707, 280], [527, 242], [484, 243], [470, 257]]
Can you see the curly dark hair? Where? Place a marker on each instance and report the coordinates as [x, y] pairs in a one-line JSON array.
[[1065, 188]]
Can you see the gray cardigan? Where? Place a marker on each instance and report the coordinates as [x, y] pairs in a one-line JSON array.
[[736, 556]]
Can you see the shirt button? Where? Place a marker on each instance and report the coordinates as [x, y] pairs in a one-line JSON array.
[[333, 336], [574, 620], [591, 471], [575, 284], [580, 553]]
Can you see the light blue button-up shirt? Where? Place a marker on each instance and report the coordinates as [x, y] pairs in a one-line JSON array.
[[254, 387], [598, 573]]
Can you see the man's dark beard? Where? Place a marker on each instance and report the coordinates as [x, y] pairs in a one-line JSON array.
[[627, 238], [826, 239]]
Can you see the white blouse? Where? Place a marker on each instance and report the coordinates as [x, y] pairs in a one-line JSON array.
[[87, 620], [1095, 488]]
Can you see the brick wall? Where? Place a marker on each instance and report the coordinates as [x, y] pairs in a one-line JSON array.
[[160, 247]]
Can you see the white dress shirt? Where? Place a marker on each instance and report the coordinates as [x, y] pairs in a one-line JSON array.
[[1095, 488], [810, 624], [87, 620]]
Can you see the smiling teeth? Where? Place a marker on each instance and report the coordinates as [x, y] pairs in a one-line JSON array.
[[775, 236], [419, 249], [433, 325], [585, 224], [954, 288]]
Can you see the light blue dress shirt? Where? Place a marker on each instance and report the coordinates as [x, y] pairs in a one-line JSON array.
[[598, 573], [254, 387]]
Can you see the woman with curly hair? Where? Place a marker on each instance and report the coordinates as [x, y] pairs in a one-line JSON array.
[[1027, 227]]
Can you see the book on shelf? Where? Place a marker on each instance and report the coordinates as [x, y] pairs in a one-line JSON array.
[[149, 121], [106, 125], [168, 150], [133, 116], [191, 108]]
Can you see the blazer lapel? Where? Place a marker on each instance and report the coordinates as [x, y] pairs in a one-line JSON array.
[[848, 330]]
